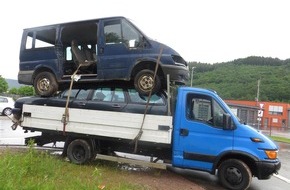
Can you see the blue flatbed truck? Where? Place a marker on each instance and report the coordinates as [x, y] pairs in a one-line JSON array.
[[201, 134]]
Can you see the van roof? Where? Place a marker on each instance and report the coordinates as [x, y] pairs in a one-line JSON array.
[[75, 22]]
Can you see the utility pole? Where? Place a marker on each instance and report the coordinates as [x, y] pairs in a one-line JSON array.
[[258, 91], [191, 76], [260, 111]]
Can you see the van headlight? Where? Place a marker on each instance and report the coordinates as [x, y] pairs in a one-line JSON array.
[[179, 60]]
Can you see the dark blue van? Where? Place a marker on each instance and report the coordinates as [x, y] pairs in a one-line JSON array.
[[106, 49]]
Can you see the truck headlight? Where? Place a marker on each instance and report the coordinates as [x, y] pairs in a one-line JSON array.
[[272, 154]]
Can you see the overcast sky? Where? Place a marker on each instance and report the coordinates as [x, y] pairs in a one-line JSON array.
[[209, 31]]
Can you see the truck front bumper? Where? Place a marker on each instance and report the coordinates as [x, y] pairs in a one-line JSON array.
[[266, 169]]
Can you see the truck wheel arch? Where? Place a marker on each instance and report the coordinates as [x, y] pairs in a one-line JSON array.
[[248, 159]]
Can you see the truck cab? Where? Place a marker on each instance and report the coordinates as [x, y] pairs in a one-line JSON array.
[[105, 49], [209, 137]]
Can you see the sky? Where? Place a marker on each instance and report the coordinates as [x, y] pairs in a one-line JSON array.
[[207, 31]]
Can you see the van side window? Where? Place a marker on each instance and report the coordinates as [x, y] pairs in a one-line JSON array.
[[112, 31], [203, 108], [119, 31], [41, 39]]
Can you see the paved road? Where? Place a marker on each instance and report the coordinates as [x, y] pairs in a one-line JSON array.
[[209, 182]]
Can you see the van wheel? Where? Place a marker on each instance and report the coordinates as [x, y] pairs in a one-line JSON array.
[[79, 151], [45, 84], [234, 174], [144, 83]]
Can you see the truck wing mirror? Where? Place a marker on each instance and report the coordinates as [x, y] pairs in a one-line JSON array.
[[227, 122]]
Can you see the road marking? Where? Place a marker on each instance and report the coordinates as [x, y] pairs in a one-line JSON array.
[[282, 178]]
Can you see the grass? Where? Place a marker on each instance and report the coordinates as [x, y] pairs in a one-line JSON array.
[[33, 169], [280, 139]]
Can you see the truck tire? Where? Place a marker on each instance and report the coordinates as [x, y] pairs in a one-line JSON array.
[[234, 174], [45, 84], [144, 83], [79, 151]]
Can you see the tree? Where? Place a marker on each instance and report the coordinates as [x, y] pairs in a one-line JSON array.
[[26, 91], [13, 91], [3, 85]]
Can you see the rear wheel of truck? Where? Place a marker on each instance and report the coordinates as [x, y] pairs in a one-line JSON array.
[[45, 84], [79, 151], [234, 174], [144, 82]]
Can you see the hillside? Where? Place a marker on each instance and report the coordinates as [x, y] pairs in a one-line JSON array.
[[12, 83], [238, 79]]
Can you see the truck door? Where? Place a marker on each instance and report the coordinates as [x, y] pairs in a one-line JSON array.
[[118, 49], [201, 135]]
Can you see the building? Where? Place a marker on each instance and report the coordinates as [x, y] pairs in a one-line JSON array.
[[262, 114]]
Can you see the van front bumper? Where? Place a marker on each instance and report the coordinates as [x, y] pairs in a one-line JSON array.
[[266, 169], [178, 74]]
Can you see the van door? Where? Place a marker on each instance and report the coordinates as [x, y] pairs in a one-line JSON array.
[[118, 49], [201, 136]]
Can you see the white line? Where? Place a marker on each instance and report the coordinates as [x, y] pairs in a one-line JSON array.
[[282, 178]]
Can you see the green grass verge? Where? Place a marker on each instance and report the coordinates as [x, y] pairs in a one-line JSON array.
[[39, 170], [280, 139]]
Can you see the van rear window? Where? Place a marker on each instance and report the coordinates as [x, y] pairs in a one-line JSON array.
[[41, 39]]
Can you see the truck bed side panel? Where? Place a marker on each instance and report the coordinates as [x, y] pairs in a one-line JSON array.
[[156, 129]]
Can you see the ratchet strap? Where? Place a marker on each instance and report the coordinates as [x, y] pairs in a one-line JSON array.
[[65, 116], [138, 136]]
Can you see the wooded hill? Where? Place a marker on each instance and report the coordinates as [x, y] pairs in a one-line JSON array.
[[238, 79]]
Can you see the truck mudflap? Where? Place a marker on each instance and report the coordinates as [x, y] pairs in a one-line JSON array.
[[266, 169]]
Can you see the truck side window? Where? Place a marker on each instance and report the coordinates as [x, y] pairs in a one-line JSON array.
[[203, 108]]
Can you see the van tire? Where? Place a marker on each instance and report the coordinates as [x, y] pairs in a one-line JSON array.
[[234, 174], [144, 83], [45, 84], [79, 151]]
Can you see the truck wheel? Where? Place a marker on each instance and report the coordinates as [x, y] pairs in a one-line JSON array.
[[45, 84], [79, 151], [234, 174], [144, 83]]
